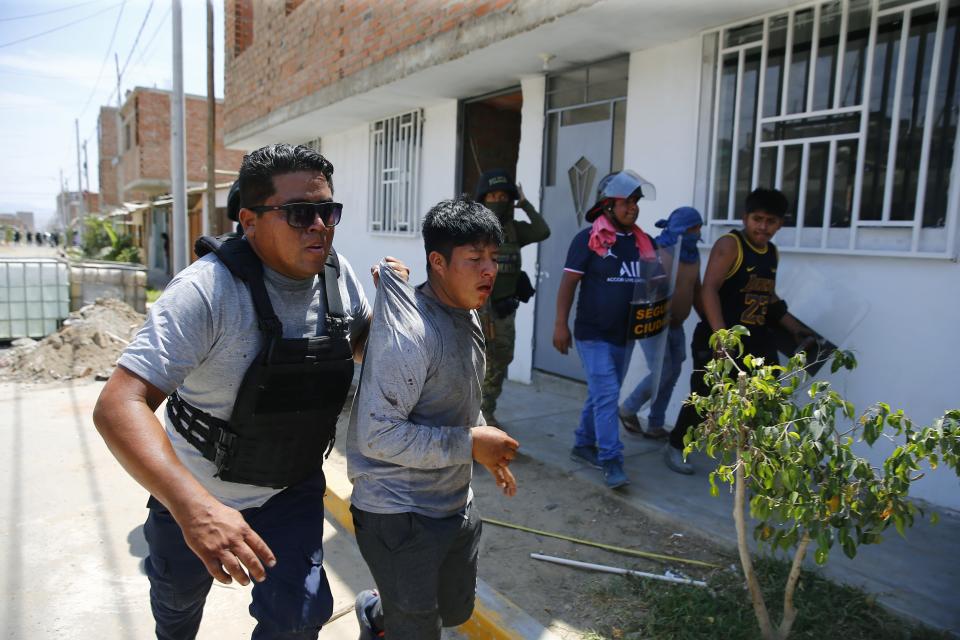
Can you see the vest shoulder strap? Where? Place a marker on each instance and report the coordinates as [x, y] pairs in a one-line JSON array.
[[238, 256], [337, 324]]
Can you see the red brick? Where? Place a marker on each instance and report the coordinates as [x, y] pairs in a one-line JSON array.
[[324, 41]]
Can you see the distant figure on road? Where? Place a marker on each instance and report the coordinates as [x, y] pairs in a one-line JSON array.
[[253, 347]]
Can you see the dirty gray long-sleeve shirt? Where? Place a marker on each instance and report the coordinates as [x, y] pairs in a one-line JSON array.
[[408, 445]]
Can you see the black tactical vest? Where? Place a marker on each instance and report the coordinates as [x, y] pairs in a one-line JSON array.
[[284, 418]]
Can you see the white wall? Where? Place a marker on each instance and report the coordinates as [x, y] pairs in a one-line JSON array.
[[529, 163], [898, 314], [349, 151]]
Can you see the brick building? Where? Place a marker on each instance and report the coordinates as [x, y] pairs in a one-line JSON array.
[[849, 106], [135, 167], [141, 168]]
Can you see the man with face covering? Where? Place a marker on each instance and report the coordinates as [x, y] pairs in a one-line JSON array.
[[497, 191], [683, 227]]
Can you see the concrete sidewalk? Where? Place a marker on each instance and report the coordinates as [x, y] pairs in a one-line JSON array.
[[917, 577]]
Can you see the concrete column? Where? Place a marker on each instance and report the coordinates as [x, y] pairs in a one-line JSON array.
[[529, 174]]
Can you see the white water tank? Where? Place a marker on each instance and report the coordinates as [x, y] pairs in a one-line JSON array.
[[34, 296]]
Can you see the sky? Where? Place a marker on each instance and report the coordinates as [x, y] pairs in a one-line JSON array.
[[48, 81]]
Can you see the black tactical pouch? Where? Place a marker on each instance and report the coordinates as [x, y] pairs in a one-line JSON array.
[[525, 288]]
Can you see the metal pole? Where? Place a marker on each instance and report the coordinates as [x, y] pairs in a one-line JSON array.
[[118, 137], [61, 213], [178, 149], [86, 167], [210, 223], [76, 127]]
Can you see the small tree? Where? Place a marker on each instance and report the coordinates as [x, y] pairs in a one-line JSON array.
[[102, 242], [807, 486]]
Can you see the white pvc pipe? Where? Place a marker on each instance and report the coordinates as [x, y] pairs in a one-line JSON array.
[[623, 572]]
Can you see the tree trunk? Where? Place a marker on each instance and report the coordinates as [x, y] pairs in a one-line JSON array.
[[739, 519], [789, 612], [759, 607]]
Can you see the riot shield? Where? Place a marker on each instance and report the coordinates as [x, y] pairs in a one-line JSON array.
[[649, 322]]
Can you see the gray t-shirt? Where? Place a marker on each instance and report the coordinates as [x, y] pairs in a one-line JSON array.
[[408, 442], [201, 336]]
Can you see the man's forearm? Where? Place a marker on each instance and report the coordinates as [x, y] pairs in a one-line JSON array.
[[414, 445], [138, 441], [711, 307], [359, 342], [565, 301], [538, 230], [791, 324]]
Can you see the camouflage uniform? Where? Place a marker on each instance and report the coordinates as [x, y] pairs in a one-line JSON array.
[[500, 331]]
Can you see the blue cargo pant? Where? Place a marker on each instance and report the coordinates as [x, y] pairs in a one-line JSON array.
[[291, 604]]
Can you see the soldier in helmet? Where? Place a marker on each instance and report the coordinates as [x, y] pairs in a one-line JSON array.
[[497, 191]]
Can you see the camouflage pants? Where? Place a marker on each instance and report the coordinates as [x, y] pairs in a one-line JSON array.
[[500, 334]]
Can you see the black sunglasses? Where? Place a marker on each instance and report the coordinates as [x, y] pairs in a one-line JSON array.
[[301, 215]]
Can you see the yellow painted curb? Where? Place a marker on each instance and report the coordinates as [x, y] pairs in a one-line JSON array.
[[494, 616]]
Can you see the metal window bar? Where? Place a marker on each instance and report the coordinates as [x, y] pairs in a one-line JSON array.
[[735, 138], [395, 146], [863, 108], [919, 4], [825, 138], [711, 191], [895, 118], [828, 194], [812, 114], [841, 52], [953, 201], [778, 181], [787, 61], [864, 121], [928, 126], [762, 74], [814, 51], [802, 192], [741, 47]]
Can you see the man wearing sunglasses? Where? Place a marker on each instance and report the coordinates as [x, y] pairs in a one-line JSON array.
[[253, 347]]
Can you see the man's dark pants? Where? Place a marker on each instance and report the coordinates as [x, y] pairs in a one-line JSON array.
[[425, 569], [291, 604], [760, 343]]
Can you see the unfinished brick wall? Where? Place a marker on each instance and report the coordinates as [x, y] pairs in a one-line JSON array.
[[298, 48], [148, 159], [107, 147]]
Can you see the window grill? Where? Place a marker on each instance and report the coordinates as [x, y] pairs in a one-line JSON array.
[[395, 145], [850, 107]]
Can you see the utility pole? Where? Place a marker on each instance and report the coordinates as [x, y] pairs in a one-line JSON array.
[[178, 148], [117, 165], [86, 167], [210, 220], [82, 209], [60, 211]]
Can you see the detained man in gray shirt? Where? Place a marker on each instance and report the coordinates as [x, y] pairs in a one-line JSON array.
[[416, 428]]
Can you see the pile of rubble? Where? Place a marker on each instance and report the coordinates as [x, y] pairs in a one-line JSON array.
[[89, 343]]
